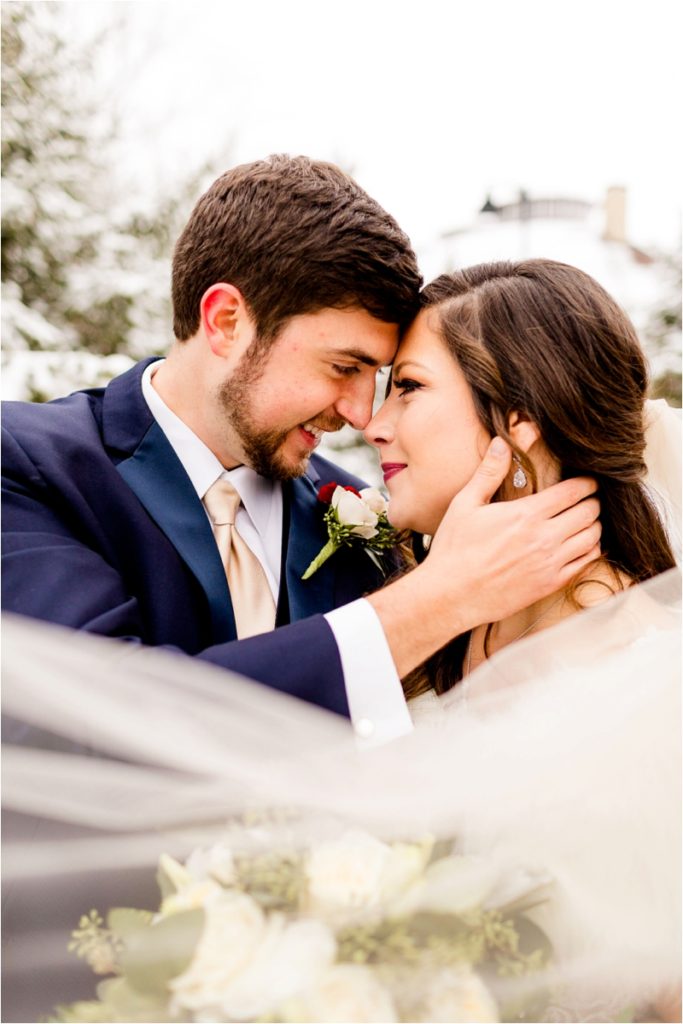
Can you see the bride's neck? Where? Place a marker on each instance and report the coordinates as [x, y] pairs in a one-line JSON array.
[[599, 582]]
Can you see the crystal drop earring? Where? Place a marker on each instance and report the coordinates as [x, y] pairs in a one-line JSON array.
[[519, 480]]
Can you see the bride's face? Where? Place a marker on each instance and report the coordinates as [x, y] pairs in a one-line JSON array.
[[428, 434]]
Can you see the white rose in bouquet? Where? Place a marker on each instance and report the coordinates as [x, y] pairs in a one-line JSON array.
[[455, 884], [345, 993], [353, 511], [233, 928], [458, 995], [247, 963], [346, 872], [357, 870]]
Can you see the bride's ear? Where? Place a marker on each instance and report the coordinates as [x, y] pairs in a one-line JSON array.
[[523, 431]]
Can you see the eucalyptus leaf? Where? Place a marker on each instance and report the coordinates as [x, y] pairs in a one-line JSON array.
[[123, 1003], [125, 921], [84, 1012], [154, 955]]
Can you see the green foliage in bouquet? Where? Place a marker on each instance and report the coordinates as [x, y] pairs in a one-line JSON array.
[[350, 928]]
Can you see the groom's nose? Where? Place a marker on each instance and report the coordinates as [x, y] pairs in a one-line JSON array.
[[355, 405], [378, 430]]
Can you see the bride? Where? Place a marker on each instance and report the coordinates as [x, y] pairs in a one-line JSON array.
[[537, 353], [547, 745]]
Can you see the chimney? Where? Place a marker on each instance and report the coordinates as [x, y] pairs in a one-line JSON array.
[[615, 214]]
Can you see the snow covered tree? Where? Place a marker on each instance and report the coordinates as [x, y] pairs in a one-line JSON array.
[[85, 265]]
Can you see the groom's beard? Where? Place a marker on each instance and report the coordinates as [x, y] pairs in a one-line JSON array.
[[262, 448]]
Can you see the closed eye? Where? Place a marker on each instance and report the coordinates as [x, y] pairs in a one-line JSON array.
[[345, 371]]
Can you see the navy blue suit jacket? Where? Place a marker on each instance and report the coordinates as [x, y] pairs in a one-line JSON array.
[[103, 531]]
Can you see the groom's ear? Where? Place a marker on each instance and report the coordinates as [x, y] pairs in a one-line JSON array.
[[225, 320], [523, 431]]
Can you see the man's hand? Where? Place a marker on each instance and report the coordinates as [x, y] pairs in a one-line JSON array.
[[488, 561]]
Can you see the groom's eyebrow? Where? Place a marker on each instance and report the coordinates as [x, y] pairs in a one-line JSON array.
[[358, 354]]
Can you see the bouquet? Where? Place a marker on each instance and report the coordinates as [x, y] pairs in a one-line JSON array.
[[349, 928], [354, 517]]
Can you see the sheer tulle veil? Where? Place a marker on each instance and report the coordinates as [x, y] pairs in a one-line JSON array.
[[558, 763]]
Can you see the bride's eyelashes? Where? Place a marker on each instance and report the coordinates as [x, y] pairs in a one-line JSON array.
[[406, 385]]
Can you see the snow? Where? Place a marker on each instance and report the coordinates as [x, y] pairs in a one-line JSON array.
[[27, 376]]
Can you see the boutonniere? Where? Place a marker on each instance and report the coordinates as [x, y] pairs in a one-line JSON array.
[[354, 517]]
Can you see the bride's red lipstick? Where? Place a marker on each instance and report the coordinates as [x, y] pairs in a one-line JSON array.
[[391, 469]]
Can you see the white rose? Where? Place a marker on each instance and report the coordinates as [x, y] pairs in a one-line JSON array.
[[374, 499], [233, 928], [460, 996], [352, 511], [357, 870], [455, 884], [246, 963], [347, 872], [345, 993], [212, 862]]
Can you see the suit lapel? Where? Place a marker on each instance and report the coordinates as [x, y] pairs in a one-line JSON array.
[[152, 470], [157, 477], [307, 535], [150, 467]]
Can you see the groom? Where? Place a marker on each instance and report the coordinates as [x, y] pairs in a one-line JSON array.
[[290, 288]]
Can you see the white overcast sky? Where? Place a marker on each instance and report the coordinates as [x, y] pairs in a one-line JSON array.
[[430, 102]]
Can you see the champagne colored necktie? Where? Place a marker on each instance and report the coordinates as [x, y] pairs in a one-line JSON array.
[[252, 599]]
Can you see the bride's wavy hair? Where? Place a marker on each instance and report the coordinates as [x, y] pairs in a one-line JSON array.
[[544, 340]]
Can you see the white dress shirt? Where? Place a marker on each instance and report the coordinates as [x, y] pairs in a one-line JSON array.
[[373, 689]]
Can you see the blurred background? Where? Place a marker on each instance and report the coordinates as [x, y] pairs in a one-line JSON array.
[[489, 130]]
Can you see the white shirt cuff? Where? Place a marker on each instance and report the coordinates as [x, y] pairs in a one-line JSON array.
[[378, 708]]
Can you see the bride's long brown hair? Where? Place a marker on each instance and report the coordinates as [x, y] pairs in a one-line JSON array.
[[546, 341]]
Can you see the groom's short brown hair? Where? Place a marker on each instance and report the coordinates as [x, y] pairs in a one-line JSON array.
[[295, 235]]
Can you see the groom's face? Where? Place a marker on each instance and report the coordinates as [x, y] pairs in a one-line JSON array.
[[317, 375]]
